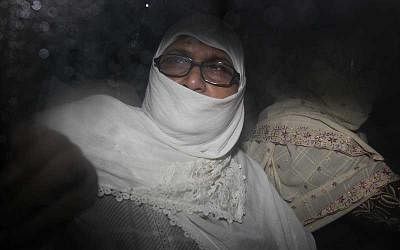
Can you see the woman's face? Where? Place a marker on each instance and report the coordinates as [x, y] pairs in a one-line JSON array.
[[200, 52]]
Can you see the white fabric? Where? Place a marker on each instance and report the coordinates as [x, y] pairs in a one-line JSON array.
[[197, 124], [175, 153]]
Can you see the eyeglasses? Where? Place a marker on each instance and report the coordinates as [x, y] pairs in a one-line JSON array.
[[216, 73]]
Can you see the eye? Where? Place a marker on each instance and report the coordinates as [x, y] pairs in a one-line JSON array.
[[219, 66], [175, 59]]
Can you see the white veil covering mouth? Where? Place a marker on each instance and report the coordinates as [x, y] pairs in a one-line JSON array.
[[176, 153]]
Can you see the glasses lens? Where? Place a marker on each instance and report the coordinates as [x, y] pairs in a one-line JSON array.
[[174, 65], [218, 73]]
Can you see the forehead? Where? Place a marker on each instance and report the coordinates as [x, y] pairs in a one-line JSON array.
[[196, 49]]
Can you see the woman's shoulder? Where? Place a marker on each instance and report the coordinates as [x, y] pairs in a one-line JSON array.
[[88, 112], [103, 103]]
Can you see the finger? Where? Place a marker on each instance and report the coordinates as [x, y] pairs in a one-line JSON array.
[[10, 172], [40, 142], [18, 139], [23, 135], [49, 220], [34, 158], [55, 180]]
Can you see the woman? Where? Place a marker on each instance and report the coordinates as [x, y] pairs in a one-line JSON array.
[[317, 164], [176, 156]]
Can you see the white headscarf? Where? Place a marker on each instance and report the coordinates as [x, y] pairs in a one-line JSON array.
[[177, 154], [196, 124]]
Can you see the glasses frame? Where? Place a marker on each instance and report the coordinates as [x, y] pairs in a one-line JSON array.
[[235, 78]]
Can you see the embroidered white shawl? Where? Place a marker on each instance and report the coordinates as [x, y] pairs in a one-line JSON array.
[[176, 154]]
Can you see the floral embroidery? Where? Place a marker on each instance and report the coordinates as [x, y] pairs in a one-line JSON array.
[[363, 189], [214, 188], [382, 208], [308, 137]]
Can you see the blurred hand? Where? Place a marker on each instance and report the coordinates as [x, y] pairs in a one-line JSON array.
[[45, 185]]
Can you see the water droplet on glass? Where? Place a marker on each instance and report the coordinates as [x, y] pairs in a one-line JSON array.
[[52, 12], [36, 5], [24, 4], [44, 26], [19, 25], [24, 13], [44, 53], [22, 10]]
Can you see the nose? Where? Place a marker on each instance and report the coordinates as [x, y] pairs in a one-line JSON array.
[[193, 80]]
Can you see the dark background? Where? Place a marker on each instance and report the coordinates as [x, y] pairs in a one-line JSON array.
[[51, 47]]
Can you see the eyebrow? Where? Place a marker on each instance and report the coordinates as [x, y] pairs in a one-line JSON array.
[[214, 57], [178, 51]]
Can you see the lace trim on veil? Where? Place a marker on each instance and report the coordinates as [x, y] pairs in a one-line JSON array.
[[212, 188]]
